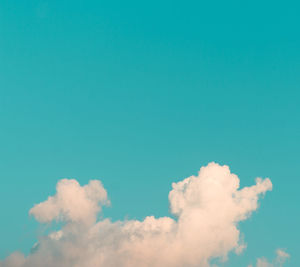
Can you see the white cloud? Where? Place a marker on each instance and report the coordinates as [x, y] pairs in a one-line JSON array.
[[72, 203], [281, 257], [208, 208]]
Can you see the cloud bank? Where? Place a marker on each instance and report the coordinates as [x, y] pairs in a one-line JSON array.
[[207, 209]]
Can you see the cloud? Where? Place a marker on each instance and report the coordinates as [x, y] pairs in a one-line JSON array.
[[207, 209], [281, 257], [72, 203]]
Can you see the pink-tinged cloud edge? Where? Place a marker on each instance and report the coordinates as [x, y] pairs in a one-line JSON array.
[[278, 261]]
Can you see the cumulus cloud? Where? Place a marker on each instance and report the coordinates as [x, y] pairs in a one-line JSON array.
[[207, 209], [281, 257], [72, 203]]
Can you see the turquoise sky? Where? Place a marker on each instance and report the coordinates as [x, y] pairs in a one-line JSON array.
[[141, 94]]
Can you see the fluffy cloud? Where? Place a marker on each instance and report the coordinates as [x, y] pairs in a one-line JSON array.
[[72, 203], [207, 208], [281, 257]]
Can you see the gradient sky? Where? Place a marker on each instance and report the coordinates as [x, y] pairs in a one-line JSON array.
[[141, 94]]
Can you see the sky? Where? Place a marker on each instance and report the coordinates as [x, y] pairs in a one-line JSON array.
[[140, 95]]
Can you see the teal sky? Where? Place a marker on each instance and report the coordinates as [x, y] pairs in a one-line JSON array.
[[142, 94]]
